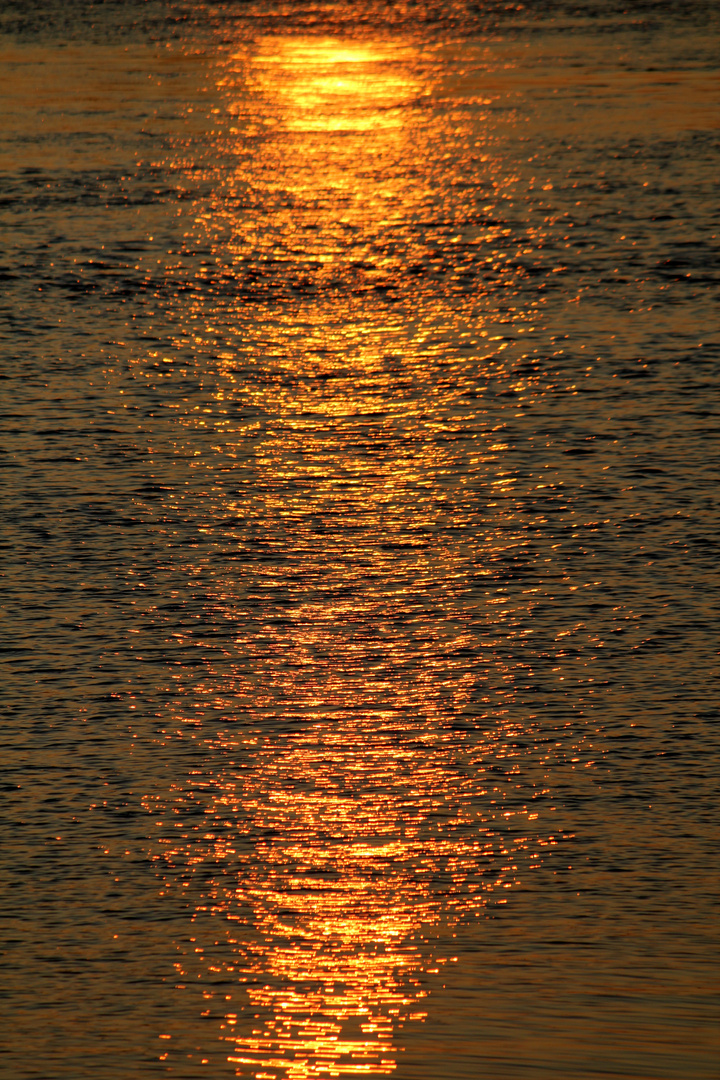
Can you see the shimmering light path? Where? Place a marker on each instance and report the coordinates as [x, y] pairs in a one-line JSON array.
[[362, 422]]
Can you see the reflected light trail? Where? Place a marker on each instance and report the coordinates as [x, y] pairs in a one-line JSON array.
[[355, 817]]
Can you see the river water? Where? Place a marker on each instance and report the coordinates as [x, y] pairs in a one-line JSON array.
[[360, 384]]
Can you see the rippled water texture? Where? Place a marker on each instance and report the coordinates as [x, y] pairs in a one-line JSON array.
[[360, 384]]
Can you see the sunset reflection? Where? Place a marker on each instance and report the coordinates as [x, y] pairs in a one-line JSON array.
[[364, 839], [340, 909], [327, 85], [356, 819]]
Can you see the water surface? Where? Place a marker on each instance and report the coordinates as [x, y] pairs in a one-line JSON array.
[[360, 383]]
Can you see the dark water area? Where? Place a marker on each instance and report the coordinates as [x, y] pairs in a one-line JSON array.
[[360, 539]]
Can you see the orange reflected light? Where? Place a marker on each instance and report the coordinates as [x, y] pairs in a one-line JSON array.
[[357, 822], [328, 85]]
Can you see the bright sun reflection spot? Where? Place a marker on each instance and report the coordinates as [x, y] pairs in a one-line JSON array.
[[327, 85]]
